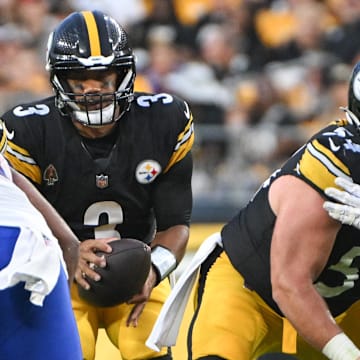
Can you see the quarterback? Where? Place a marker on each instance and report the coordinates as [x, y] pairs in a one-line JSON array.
[[114, 163]]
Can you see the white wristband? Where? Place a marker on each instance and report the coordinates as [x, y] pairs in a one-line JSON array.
[[340, 347], [163, 260]]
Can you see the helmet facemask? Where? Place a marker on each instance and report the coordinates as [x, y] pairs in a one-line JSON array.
[[94, 108]]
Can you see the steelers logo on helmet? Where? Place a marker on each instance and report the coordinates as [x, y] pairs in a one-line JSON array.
[[147, 171]]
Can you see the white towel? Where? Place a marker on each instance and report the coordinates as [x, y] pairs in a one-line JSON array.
[[167, 325], [36, 260]]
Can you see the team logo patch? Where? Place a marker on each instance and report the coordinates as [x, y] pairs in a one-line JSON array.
[[102, 181], [147, 171], [50, 175]]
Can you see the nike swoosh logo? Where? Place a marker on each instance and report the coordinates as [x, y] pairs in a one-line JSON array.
[[187, 111], [10, 135], [333, 147]]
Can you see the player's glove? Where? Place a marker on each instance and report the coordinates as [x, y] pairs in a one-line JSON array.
[[348, 212]]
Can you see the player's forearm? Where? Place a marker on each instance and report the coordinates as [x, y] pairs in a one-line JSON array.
[[308, 313], [67, 239], [168, 249], [175, 239]]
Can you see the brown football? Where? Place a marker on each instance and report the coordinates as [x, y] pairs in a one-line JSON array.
[[127, 268]]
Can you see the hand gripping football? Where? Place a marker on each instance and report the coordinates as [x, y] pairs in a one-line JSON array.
[[128, 267]]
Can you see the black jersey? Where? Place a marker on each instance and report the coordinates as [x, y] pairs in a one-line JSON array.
[[135, 179], [334, 151]]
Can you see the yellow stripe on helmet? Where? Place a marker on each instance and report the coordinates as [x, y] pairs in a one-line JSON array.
[[93, 33]]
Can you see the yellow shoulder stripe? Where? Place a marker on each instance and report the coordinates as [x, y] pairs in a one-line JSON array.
[[184, 144], [21, 161], [321, 166], [321, 149]]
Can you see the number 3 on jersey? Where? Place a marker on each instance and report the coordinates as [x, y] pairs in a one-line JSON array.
[[112, 210]]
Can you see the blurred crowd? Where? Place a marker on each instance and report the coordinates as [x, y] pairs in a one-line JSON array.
[[260, 75]]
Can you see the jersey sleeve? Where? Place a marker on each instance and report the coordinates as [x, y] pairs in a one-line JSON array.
[[172, 193], [29, 140], [332, 153], [185, 136], [23, 134]]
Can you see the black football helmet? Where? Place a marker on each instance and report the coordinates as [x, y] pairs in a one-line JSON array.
[[354, 92], [86, 41]]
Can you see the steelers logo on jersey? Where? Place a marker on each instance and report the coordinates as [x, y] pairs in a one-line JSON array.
[[147, 171]]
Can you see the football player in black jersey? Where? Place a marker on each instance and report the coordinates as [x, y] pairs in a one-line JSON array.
[[283, 275], [114, 163]]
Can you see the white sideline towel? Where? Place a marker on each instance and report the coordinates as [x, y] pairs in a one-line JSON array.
[[167, 325], [36, 260]]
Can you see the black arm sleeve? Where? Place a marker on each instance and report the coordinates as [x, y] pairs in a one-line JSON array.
[[172, 195]]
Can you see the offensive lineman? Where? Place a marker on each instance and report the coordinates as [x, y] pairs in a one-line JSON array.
[[114, 163], [284, 275]]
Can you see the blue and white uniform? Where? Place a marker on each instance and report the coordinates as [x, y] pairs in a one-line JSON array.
[[37, 321]]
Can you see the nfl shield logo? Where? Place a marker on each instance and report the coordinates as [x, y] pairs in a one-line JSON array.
[[102, 181]]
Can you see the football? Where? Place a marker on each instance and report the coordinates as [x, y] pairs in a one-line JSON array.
[[127, 268]]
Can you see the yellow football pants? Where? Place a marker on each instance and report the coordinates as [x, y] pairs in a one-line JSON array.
[[129, 340], [234, 323]]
